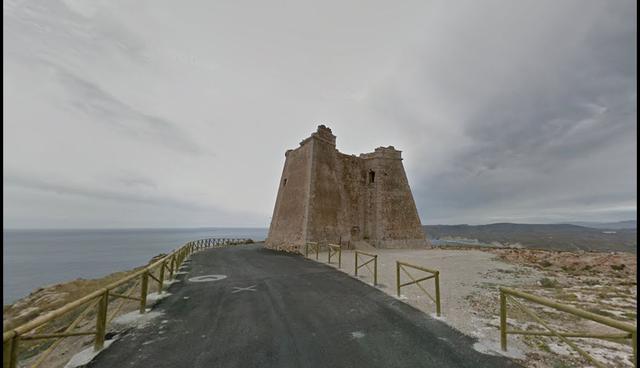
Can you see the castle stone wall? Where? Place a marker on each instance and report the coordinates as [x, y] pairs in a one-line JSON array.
[[289, 220], [329, 197]]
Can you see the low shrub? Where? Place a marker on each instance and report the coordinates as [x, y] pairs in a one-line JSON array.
[[545, 263], [549, 283], [618, 267]]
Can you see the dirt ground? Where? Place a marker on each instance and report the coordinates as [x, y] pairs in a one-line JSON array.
[[602, 283]]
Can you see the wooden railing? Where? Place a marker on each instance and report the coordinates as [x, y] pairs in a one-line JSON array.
[[507, 294], [333, 250], [372, 258], [99, 300], [433, 274], [628, 334], [218, 242], [314, 246]]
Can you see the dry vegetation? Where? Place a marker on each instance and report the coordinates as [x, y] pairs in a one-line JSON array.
[[602, 283], [49, 298]]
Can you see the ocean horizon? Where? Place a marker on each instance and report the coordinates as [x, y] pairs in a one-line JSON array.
[[34, 258]]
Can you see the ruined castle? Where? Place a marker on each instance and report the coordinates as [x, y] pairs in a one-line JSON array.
[[329, 197]]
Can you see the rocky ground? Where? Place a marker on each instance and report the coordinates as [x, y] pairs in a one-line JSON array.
[[603, 283], [52, 297]]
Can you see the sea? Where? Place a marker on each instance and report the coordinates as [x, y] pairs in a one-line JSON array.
[[36, 258]]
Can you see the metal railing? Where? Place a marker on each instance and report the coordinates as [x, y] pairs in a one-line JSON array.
[[434, 274], [507, 294], [333, 250], [100, 299], [374, 259], [315, 246]]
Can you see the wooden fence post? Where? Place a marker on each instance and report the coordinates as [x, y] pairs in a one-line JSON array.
[[398, 278], [356, 254], [503, 321], [437, 279], [10, 352], [161, 281], [101, 321], [143, 291], [375, 271]]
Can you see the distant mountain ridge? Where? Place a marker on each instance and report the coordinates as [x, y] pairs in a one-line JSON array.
[[542, 236], [629, 224]]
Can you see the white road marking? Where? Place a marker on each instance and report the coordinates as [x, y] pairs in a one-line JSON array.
[[357, 334], [239, 289], [208, 278]]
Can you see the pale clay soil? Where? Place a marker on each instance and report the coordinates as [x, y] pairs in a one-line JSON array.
[[469, 281]]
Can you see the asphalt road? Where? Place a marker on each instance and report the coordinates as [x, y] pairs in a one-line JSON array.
[[279, 310]]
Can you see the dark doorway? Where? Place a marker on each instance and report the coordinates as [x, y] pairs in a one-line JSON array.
[[355, 233]]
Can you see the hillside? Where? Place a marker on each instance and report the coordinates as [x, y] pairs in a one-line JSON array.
[[542, 236], [630, 224]]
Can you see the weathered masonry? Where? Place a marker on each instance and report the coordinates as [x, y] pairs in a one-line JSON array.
[[328, 196]]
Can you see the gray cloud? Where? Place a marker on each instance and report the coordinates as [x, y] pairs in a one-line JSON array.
[[505, 111], [100, 106], [35, 182], [50, 36], [95, 207], [553, 124], [132, 179]]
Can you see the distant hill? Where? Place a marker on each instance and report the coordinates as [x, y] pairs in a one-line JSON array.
[[631, 224], [542, 236]]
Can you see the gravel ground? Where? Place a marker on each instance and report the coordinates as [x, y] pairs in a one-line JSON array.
[[469, 281], [463, 274]]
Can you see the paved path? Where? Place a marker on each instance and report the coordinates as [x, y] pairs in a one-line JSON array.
[[281, 310]]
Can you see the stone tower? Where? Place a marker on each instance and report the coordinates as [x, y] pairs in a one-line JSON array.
[[328, 196]]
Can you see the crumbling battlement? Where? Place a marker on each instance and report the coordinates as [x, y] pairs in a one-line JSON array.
[[330, 197]]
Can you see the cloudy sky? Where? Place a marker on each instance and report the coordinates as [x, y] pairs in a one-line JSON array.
[[178, 113]]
